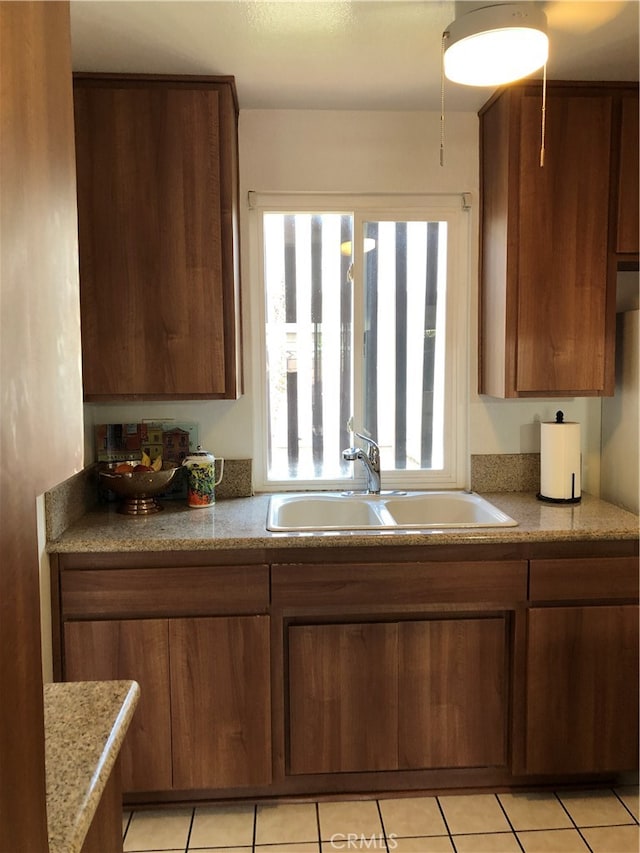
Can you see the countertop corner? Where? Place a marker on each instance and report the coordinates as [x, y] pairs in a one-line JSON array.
[[85, 725]]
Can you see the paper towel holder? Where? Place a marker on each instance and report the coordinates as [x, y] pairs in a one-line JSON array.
[[560, 500], [574, 499]]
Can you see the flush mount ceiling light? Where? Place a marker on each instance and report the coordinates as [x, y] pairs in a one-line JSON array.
[[493, 45]]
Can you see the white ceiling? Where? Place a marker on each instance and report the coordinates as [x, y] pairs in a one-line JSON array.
[[368, 54]]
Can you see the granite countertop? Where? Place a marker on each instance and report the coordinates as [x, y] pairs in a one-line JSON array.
[[240, 523], [85, 724]]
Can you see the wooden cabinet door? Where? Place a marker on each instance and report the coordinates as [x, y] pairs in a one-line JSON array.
[[562, 246], [220, 702], [628, 227], [138, 650], [343, 698], [407, 695], [582, 689], [156, 284], [547, 281], [453, 688]]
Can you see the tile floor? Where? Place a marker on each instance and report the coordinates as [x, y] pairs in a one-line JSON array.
[[603, 821]]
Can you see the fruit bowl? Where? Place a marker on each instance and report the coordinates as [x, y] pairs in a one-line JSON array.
[[138, 488]]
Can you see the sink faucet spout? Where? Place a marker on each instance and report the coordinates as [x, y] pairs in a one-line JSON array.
[[370, 459]]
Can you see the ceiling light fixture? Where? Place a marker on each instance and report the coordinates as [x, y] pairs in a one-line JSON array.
[[492, 46], [497, 44]]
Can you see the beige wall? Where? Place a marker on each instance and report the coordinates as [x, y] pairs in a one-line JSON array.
[[375, 152], [620, 418]]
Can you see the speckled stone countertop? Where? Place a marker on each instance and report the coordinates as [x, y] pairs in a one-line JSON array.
[[241, 523], [85, 724]]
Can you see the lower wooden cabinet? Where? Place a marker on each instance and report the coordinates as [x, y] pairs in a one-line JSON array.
[[582, 689], [429, 693], [131, 649], [343, 688], [454, 680], [220, 702], [325, 678], [204, 716]]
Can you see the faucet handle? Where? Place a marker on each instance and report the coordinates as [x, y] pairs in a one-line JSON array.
[[366, 438], [372, 448]]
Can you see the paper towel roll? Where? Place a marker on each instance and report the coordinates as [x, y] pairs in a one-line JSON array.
[[560, 461]]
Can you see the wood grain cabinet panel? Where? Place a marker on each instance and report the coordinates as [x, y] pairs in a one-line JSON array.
[[582, 689], [149, 592], [138, 650], [562, 246], [203, 720], [157, 210], [583, 579], [427, 582], [220, 689], [398, 695], [628, 230], [454, 687], [343, 707], [547, 280]]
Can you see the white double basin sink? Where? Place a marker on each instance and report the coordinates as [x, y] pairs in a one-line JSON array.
[[309, 511]]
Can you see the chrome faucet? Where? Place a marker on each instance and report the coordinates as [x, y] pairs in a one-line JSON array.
[[370, 459]]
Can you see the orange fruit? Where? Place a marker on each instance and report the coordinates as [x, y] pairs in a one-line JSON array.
[[123, 468]]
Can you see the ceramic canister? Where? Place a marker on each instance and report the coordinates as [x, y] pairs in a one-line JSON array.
[[201, 478]]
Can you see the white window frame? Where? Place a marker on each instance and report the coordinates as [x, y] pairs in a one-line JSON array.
[[452, 208]]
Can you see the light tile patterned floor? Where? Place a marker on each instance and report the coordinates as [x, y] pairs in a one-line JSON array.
[[604, 821]]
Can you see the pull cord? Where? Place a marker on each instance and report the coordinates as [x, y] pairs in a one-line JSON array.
[[543, 120], [444, 39]]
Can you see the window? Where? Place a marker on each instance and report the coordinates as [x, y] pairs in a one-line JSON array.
[[362, 326]]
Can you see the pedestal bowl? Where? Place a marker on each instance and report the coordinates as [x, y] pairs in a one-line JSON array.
[[138, 489]]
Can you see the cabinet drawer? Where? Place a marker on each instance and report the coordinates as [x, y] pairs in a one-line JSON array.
[[399, 583], [189, 591], [576, 579]]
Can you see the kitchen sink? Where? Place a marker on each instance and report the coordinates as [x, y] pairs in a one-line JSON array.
[[304, 511], [446, 509], [327, 512]]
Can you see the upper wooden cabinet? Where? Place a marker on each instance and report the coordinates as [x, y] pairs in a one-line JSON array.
[[548, 250], [157, 168], [628, 226]]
